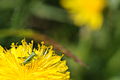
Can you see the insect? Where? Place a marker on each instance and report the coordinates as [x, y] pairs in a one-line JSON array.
[[29, 58]]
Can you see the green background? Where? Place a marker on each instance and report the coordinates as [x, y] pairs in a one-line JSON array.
[[46, 20]]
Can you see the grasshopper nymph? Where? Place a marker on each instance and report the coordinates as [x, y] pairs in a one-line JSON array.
[[29, 58]]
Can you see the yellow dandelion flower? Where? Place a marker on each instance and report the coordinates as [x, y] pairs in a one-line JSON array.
[[22, 62], [86, 12]]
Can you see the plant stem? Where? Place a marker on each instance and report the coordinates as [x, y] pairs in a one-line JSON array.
[[20, 15]]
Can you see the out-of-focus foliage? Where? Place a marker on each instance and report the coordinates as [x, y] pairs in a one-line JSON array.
[[99, 49]]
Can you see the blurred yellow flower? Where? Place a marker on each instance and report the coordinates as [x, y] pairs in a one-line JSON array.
[[86, 12], [22, 62]]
